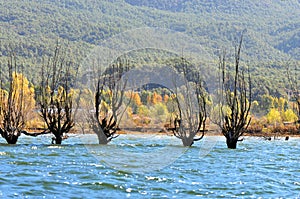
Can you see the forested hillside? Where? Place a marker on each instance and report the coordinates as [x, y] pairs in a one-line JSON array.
[[271, 40]]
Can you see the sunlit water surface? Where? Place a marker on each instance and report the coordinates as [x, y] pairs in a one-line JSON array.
[[154, 166]]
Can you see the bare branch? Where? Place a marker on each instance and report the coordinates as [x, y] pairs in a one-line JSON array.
[[12, 113], [236, 98], [56, 100], [191, 106], [110, 89]]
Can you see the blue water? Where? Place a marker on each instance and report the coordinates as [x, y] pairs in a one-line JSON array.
[[135, 166]]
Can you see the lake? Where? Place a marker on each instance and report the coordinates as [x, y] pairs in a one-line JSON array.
[[152, 166]]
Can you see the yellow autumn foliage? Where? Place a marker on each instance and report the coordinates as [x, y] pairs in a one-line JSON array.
[[22, 97]]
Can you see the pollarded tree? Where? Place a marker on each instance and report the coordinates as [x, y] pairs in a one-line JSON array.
[[109, 102], [293, 77], [16, 102], [235, 99], [56, 96], [191, 103]]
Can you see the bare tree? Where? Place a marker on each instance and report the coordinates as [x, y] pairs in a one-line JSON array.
[[12, 122], [55, 96], [191, 102], [235, 100], [110, 90], [13, 107], [293, 77]]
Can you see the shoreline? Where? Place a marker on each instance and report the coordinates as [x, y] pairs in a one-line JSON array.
[[210, 133], [145, 131]]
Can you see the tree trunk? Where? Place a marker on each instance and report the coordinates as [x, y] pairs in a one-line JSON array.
[[58, 139], [187, 142], [11, 139], [102, 139], [231, 143]]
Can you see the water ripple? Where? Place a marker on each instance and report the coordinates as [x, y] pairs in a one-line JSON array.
[[256, 169]]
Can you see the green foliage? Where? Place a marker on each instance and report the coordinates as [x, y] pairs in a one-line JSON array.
[[266, 103], [255, 107], [159, 112], [143, 111], [272, 33], [85, 23]]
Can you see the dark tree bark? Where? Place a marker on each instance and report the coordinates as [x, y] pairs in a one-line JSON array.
[[55, 98], [191, 105], [231, 143], [110, 83], [235, 100], [12, 113], [10, 137], [293, 77]]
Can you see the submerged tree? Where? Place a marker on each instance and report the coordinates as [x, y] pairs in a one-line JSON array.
[[55, 94], [235, 100], [293, 77], [191, 103], [109, 102], [15, 102]]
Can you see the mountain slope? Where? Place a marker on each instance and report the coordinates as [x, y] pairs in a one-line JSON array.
[[272, 35]]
